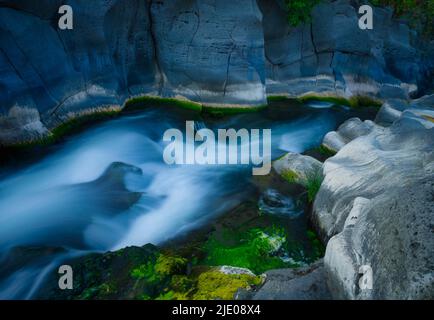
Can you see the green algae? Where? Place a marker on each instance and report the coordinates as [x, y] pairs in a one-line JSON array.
[[138, 103], [355, 102], [221, 111], [313, 183], [325, 151], [290, 176], [253, 249]]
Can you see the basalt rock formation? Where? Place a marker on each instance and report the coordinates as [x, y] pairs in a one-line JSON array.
[[375, 206], [213, 52]]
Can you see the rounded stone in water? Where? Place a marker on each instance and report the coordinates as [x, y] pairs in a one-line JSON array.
[[273, 202]]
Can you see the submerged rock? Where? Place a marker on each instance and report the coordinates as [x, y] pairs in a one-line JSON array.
[[273, 202]]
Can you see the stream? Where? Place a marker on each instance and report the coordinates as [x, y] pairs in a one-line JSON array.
[[108, 187]]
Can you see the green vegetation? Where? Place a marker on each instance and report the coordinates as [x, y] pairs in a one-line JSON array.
[[327, 152], [299, 11], [277, 98], [353, 102], [318, 248], [243, 239], [213, 285], [142, 102], [312, 184], [77, 122], [225, 111], [72, 125], [169, 274], [290, 176], [167, 265], [253, 249], [419, 14]]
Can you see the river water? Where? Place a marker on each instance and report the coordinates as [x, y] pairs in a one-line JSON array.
[[108, 187]]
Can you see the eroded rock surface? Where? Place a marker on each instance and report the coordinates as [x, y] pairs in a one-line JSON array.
[[376, 206], [331, 55], [307, 283], [213, 52]]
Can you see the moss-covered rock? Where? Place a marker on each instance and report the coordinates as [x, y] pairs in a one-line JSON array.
[[138, 103], [214, 284], [353, 102]]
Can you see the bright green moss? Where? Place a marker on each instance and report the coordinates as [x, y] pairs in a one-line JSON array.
[[142, 102], [145, 271], [212, 285], [224, 111], [353, 102], [172, 295], [167, 265], [326, 151], [80, 121], [299, 11], [253, 250], [313, 184], [318, 248], [290, 176], [364, 101]]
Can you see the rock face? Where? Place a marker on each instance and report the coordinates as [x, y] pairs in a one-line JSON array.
[[332, 55], [204, 50], [376, 206], [214, 52]]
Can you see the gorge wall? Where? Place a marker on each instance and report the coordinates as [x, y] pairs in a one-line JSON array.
[[213, 52]]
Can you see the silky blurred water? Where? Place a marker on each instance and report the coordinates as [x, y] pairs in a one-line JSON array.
[[78, 197]]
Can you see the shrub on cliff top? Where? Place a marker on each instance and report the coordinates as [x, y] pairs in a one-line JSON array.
[[299, 11], [420, 14]]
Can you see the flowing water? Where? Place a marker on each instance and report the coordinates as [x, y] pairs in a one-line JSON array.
[[108, 187]]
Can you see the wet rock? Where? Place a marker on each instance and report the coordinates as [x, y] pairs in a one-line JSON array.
[[332, 56], [235, 270], [110, 189], [375, 207], [307, 283], [297, 167], [225, 52], [21, 124], [348, 131], [105, 276], [273, 202], [390, 111]]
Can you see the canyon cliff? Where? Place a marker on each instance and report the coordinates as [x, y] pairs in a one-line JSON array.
[[221, 53]]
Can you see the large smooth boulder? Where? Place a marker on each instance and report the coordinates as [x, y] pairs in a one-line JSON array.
[[298, 166], [348, 131], [306, 283], [375, 208]]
